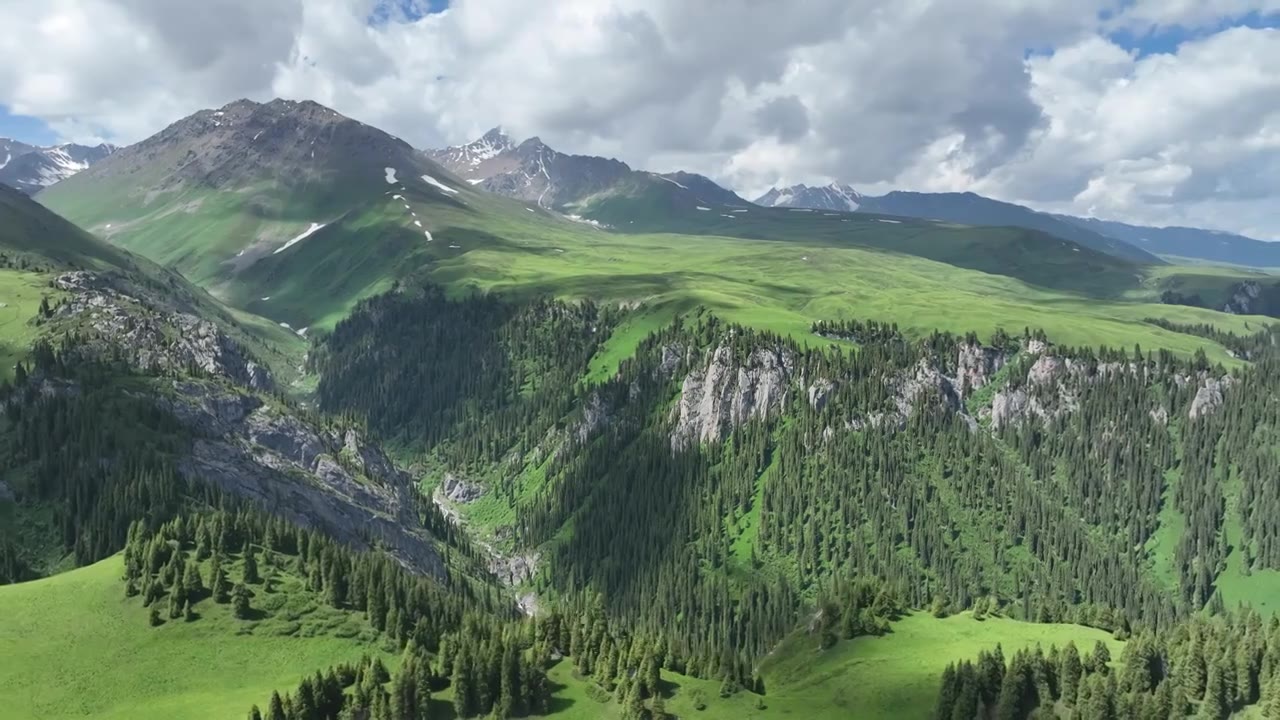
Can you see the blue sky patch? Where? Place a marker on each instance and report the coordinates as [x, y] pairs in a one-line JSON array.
[[387, 11], [1166, 40], [32, 131]]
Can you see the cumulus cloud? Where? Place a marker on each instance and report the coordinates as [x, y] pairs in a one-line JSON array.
[[1026, 100]]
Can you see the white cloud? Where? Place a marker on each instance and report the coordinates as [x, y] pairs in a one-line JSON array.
[[925, 94], [1146, 15]]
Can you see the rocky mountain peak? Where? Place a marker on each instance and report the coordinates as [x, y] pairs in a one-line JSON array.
[[834, 196], [30, 169], [244, 142]]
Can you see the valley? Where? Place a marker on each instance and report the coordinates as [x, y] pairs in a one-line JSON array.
[[293, 407]]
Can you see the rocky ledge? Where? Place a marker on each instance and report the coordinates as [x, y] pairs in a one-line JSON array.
[[122, 319], [333, 480]]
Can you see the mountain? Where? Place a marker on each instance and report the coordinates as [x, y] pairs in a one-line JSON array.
[[972, 209], [293, 212], [829, 197], [216, 192], [534, 172], [1184, 242], [12, 149], [30, 169], [729, 460]]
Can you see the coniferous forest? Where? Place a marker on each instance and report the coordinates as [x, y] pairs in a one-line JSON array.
[[720, 489]]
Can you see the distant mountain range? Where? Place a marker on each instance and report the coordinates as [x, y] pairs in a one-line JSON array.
[[29, 168], [1196, 243], [965, 208], [1134, 242], [534, 172]]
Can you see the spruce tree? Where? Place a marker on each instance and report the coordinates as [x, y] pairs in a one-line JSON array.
[[219, 585], [240, 601], [1215, 705], [250, 565]]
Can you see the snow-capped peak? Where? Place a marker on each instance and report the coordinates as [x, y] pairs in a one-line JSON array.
[[834, 196]]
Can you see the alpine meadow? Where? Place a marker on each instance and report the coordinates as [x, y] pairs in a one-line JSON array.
[[944, 386]]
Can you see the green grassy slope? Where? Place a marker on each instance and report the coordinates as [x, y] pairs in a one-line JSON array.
[[36, 244], [20, 296], [892, 676], [27, 230], [75, 647], [83, 650], [768, 267], [1028, 255]]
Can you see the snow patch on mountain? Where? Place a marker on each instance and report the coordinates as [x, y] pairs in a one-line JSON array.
[[303, 236], [673, 182], [835, 196], [391, 175], [439, 185]]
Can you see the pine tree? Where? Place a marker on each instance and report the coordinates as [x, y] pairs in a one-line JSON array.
[[219, 585], [633, 705], [1215, 705], [250, 565], [240, 601], [658, 709], [463, 690], [1070, 672], [1271, 708], [192, 581], [255, 713]]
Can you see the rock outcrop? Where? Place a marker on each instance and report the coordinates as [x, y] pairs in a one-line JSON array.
[[820, 393], [976, 365], [327, 479], [152, 339], [1208, 397], [1244, 299], [455, 488], [727, 392]]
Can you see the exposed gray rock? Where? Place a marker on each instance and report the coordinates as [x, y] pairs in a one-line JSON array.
[[154, 340], [595, 415], [924, 380], [671, 356], [1209, 397], [976, 365], [515, 569], [1160, 415], [1244, 298], [456, 489], [1048, 369], [301, 472], [820, 393], [1036, 347], [727, 393]]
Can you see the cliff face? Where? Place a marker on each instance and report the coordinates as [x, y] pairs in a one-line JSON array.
[[976, 365], [727, 392], [312, 475], [331, 480], [150, 338], [1053, 387]]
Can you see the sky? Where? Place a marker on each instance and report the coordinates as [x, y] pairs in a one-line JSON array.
[[1163, 112]]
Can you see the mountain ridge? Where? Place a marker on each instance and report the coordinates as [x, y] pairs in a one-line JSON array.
[[534, 172], [31, 168]]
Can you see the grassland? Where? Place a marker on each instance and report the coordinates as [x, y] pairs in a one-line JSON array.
[[20, 295], [770, 268], [75, 647], [891, 677]]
